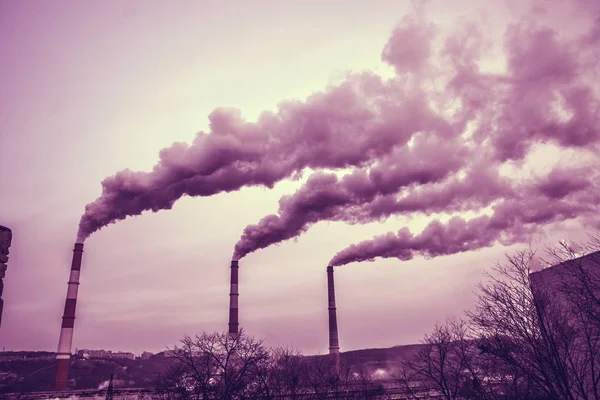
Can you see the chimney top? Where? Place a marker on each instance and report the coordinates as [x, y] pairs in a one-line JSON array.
[[234, 263], [78, 246]]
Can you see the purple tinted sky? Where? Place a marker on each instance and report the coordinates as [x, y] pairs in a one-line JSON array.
[[90, 88]]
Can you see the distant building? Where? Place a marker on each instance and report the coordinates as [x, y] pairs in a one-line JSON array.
[[146, 355], [86, 353], [568, 275], [166, 353], [553, 276], [123, 355], [571, 289]]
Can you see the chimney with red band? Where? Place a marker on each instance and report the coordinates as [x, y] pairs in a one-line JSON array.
[[63, 354]]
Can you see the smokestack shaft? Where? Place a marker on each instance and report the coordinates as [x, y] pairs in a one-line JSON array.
[[233, 300], [334, 347], [63, 354]]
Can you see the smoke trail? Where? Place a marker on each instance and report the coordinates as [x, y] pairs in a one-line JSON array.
[[545, 96], [351, 124], [513, 220], [480, 187], [323, 198], [327, 197]]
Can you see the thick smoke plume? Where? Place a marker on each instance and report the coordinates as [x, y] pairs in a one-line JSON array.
[[352, 124], [548, 94]]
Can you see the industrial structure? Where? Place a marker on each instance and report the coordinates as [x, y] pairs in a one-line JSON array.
[[5, 240], [63, 354], [110, 391], [581, 274], [233, 300], [334, 346]]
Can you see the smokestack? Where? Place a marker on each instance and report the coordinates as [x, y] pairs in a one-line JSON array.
[[63, 355], [5, 239], [233, 300], [334, 346]]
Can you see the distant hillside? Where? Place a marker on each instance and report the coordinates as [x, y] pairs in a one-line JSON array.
[[382, 362], [395, 353], [6, 355], [34, 371], [33, 374]]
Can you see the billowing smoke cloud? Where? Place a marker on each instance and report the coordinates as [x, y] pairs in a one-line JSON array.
[[546, 95], [513, 220], [352, 124], [472, 121], [409, 49]]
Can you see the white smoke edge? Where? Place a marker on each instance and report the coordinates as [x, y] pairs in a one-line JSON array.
[[418, 221], [103, 385], [291, 185], [543, 157]]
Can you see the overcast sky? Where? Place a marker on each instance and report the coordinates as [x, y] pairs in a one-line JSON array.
[[91, 88]]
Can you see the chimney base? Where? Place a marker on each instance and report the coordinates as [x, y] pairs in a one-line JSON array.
[[62, 374], [335, 356]]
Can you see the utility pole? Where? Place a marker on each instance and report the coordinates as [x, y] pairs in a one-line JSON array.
[[109, 391]]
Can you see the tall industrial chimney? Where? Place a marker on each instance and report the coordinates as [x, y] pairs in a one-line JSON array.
[[334, 346], [5, 239], [233, 300], [63, 355]]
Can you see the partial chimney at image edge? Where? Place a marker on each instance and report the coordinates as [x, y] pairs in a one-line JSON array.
[[5, 240]]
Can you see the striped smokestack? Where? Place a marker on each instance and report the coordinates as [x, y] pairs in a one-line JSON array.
[[334, 346], [233, 300], [63, 355]]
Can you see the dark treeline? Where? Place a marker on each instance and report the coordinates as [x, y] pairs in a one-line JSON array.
[[532, 336]]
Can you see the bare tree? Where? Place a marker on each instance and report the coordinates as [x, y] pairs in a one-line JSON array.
[[322, 380], [444, 366], [530, 336], [575, 281], [216, 366], [291, 372], [523, 328], [172, 385], [361, 384], [284, 376]]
